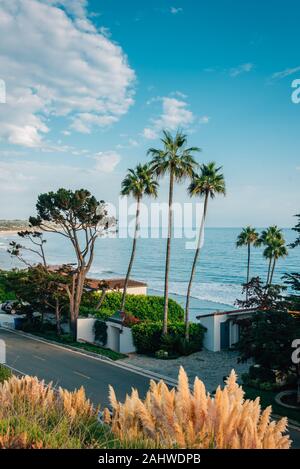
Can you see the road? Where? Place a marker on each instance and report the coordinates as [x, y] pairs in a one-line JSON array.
[[72, 370]]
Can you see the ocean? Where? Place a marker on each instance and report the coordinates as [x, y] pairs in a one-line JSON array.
[[221, 269]]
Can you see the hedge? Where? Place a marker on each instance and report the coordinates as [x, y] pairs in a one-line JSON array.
[[103, 313], [148, 338], [144, 307]]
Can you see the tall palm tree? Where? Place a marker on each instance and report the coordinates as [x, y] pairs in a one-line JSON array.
[[247, 237], [277, 249], [176, 160], [137, 183], [267, 238], [207, 184]]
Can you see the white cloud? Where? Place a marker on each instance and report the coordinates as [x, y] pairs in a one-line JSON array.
[[285, 73], [175, 114], [175, 11], [130, 144], [55, 63], [204, 120], [106, 161], [72, 7], [13, 178], [150, 134], [244, 68]]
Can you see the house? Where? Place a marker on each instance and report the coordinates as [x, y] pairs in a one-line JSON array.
[[134, 287], [222, 330]]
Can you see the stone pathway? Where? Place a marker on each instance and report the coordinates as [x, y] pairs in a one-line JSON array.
[[210, 367]]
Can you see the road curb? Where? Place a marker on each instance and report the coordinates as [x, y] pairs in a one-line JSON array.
[[132, 368]]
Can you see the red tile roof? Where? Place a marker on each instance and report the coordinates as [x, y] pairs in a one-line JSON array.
[[113, 283]]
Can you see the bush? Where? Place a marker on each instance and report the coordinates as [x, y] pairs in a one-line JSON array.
[[5, 373], [103, 313], [100, 329], [148, 338], [5, 291], [263, 374], [144, 307]]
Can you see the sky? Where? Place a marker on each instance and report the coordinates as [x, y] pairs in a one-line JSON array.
[[89, 86]]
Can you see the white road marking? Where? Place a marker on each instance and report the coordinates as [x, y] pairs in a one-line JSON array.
[[130, 368], [39, 358], [81, 374]]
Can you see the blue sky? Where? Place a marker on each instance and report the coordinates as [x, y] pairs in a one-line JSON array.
[[91, 84]]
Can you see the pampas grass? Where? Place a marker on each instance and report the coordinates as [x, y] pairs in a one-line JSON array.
[[184, 419], [35, 415]]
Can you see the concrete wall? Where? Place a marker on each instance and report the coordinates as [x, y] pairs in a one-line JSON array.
[[85, 329], [212, 337], [119, 338], [7, 320], [209, 341]]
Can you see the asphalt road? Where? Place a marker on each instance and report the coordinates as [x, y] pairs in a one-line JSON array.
[[69, 369], [72, 370]]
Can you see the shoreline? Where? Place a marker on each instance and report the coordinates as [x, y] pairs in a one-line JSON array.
[[11, 232]]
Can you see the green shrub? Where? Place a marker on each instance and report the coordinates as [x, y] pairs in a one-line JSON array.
[[5, 373], [103, 313], [148, 338], [100, 329], [5, 290], [263, 374], [257, 383], [144, 307]]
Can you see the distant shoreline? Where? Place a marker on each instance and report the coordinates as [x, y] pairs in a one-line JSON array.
[[11, 232]]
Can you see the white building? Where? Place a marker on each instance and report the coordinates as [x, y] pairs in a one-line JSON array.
[[222, 330]]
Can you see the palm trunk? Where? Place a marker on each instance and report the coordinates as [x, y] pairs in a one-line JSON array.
[[197, 252], [137, 218], [168, 254], [248, 270], [103, 294], [272, 272], [269, 271]]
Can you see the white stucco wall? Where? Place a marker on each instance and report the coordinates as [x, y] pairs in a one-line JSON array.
[[123, 342], [212, 339], [119, 341], [85, 329], [7, 320]]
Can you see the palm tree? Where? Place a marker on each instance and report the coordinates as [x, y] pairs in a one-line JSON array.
[[177, 161], [206, 184], [278, 249], [267, 238], [247, 237], [137, 183]]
